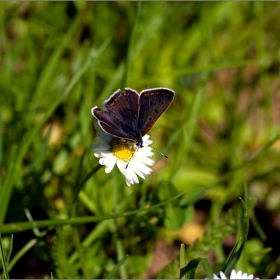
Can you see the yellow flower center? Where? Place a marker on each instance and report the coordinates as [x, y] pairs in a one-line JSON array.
[[123, 149]]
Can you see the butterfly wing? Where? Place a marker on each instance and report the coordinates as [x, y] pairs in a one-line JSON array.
[[121, 117], [153, 102]]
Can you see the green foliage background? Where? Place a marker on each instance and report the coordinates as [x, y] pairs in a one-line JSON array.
[[59, 59]]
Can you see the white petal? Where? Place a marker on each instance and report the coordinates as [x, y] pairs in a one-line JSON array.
[[99, 154], [129, 174], [107, 154], [233, 274], [121, 165], [139, 172], [133, 175], [146, 141], [144, 173], [145, 160], [110, 166], [222, 275], [240, 275], [128, 182], [144, 153], [136, 166], [141, 167], [107, 161]]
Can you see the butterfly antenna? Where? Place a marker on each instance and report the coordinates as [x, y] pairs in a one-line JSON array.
[[159, 152]]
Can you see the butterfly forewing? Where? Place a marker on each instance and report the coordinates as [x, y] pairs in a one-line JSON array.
[[121, 117], [105, 121], [153, 103]]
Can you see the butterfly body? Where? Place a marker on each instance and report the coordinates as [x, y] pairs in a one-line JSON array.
[[130, 115]]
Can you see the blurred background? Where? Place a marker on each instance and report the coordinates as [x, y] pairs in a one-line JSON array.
[[221, 135]]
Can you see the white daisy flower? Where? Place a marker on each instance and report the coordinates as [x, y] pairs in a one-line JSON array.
[[130, 159], [277, 277], [235, 275]]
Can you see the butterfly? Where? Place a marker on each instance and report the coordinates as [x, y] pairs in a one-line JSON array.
[[130, 115]]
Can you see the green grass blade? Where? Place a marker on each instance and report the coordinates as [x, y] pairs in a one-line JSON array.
[[11, 248], [229, 264], [22, 226], [1, 141], [120, 255], [4, 264], [21, 252], [182, 258], [190, 268], [235, 253], [112, 273], [7, 186], [78, 189]]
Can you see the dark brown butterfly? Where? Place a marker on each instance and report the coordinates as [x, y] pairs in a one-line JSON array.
[[130, 115]]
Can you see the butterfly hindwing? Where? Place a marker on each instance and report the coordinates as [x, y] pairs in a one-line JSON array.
[[153, 103], [121, 117], [105, 121]]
